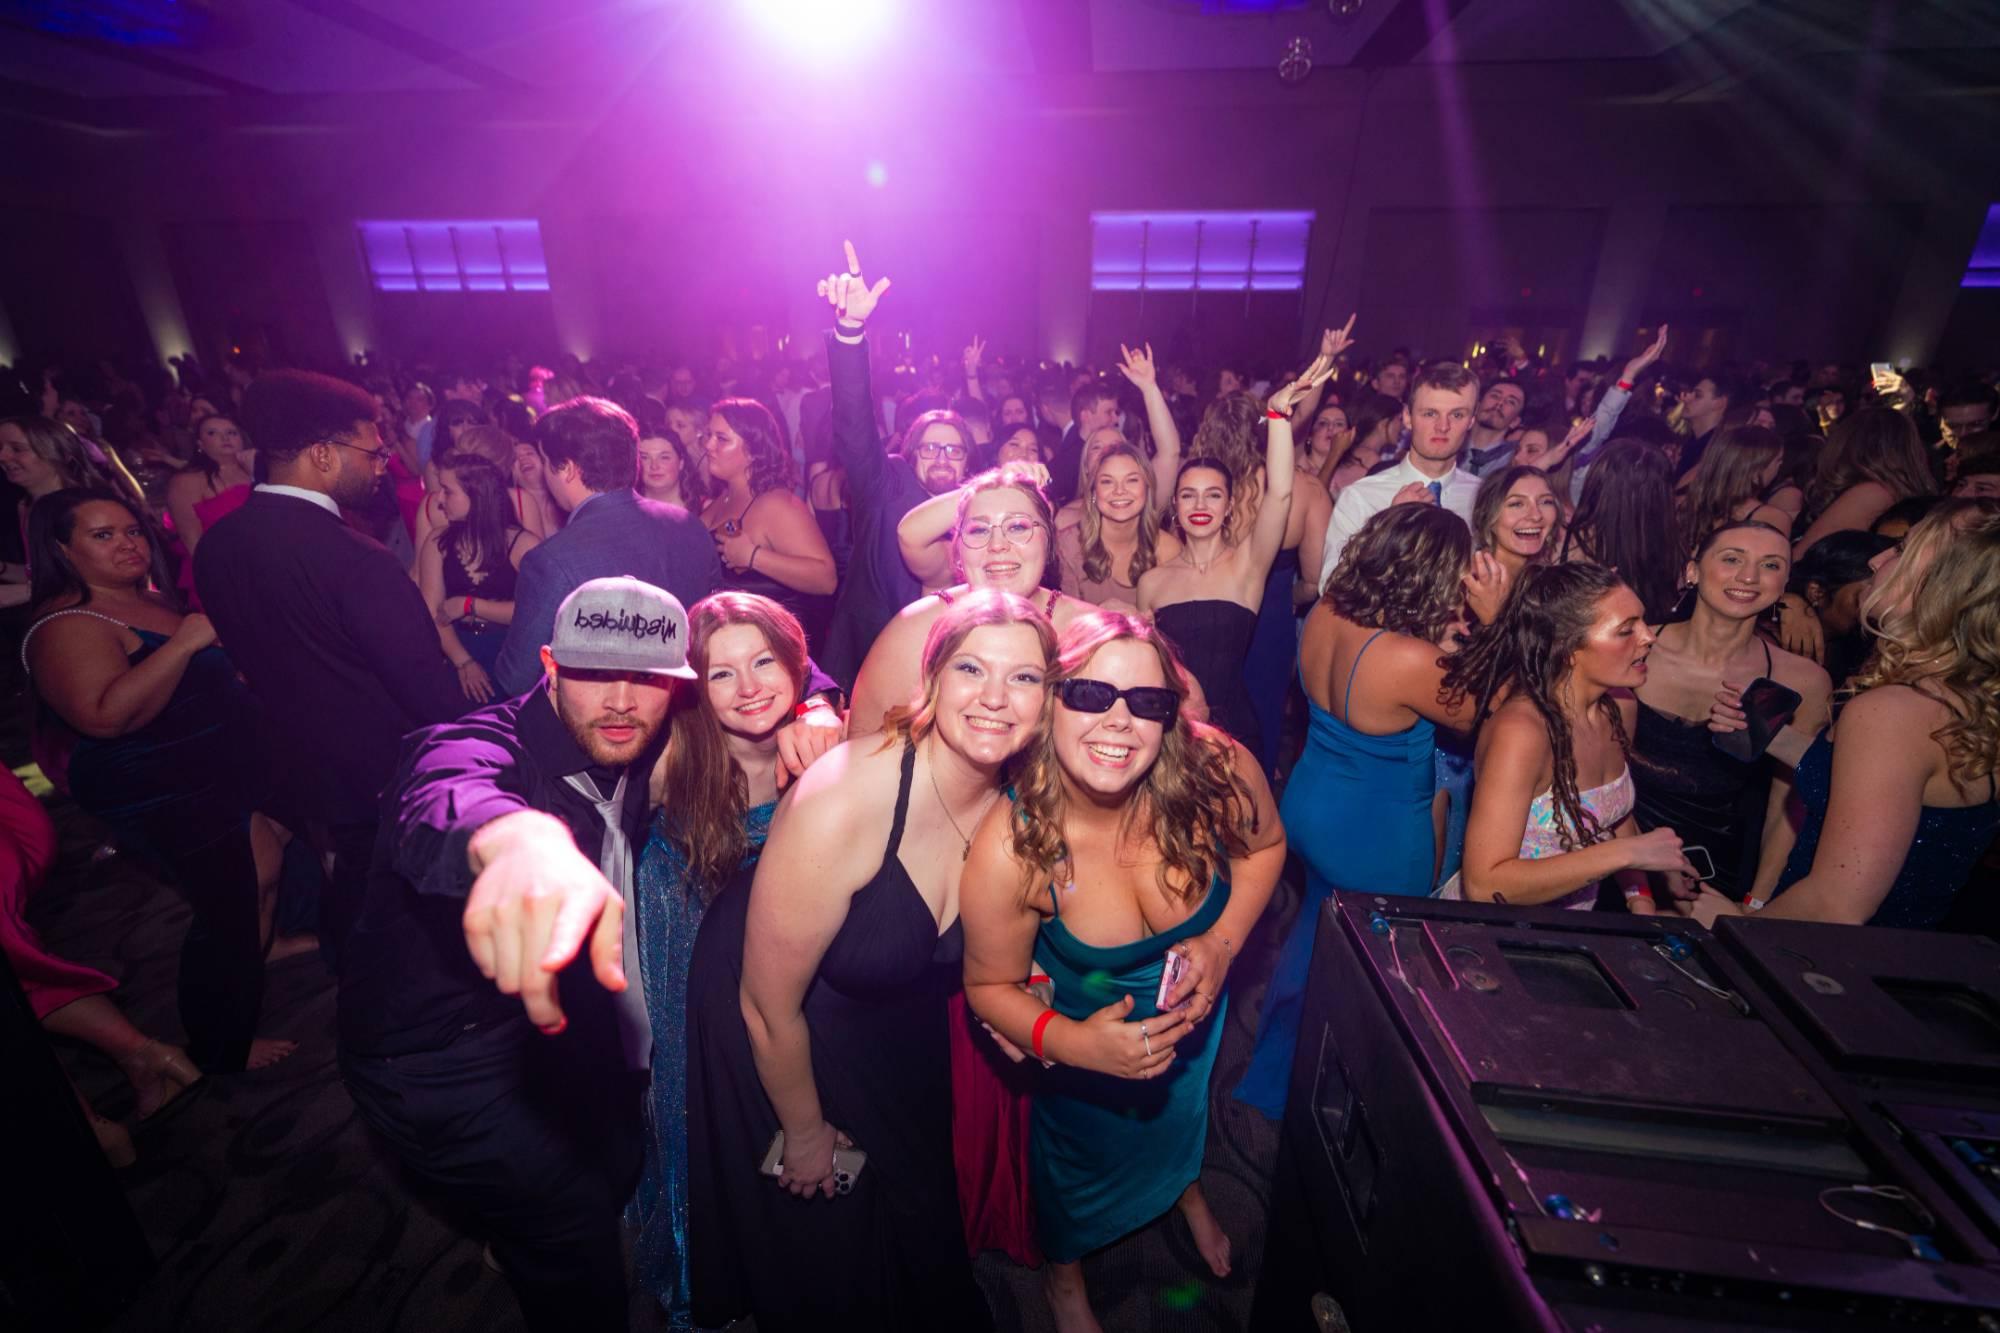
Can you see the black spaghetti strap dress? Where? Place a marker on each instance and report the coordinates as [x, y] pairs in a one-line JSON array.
[[890, 1255]]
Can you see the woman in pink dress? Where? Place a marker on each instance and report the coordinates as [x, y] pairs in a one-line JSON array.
[[69, 999], [214, 485]]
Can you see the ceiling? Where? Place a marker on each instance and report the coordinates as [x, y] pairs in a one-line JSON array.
[[100, 51]]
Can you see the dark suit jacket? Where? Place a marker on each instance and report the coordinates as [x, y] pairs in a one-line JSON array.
[[610, 534], [880, 491], [333, 636], [1064, 464]]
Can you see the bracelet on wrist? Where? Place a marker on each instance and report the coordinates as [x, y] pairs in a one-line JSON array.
[[1275, 415], [1626, 385], [1041, 1026]]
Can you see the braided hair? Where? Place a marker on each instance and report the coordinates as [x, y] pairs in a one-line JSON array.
[[1526, 653]]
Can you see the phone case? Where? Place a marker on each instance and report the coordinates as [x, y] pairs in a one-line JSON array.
[[1767, 707], [1175, 968], [847, 1163]]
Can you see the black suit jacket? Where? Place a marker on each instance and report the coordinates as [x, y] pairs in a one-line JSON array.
[[881, 489], [335, 639]]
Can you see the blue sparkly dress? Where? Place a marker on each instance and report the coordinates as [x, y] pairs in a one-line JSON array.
[[670, 912], [1947, 845]]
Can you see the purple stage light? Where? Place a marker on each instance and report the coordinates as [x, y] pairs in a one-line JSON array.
[[828, 29]]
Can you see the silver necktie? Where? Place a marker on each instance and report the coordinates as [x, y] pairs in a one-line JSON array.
[[634, 1033]]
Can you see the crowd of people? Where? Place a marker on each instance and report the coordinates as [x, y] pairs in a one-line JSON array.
[[808, 811]]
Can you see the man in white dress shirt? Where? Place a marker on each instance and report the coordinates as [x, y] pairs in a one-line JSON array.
[[1438, 416]]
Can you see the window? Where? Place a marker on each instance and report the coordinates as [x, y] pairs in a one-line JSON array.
[[1984, 270], [455, 256], [1198, 252]]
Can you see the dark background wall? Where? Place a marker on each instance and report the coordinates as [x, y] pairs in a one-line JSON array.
[[1573, 203]]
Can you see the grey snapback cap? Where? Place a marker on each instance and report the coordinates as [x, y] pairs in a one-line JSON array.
[[622, 624]]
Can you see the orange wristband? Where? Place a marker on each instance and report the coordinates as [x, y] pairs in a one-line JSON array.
[[1041, 1026]]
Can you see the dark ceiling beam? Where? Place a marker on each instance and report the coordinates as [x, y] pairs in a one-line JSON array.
[[139, 58], [1411, 26], [411, 43]]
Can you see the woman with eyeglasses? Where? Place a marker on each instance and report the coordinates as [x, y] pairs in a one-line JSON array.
[[1207, 598], [1135, 835], [818, 1005], [765, 534], [997, 530]]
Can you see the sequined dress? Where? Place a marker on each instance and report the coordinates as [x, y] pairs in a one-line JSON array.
[[1608, 804], [670, 913]]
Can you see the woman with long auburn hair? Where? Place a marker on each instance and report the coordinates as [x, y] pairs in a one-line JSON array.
[[1729, 484], [1135, 833], [1896, 801], [1872, 459], [716, 785], [818, 1007], [1552, 791]]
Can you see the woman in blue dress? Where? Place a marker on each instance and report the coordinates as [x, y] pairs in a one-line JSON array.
[[1358, 806], [1135, 833], [1896, 803], [717, 784]]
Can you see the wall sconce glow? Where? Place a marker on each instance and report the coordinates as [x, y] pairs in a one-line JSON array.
[[826, 29], [878, 174]]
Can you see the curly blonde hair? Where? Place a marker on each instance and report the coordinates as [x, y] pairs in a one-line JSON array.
[[1197, 812], [1946, 642]]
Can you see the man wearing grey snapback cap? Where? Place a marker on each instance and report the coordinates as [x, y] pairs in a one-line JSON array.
[[513, 831]]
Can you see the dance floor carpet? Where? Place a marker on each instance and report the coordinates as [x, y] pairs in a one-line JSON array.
[[270, 1207]]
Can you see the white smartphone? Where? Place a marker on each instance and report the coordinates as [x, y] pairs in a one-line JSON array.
[[847, 1163], [1176, 967]]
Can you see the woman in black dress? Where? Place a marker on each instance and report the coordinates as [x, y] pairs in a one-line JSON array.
[[466, 572], [817, 1007]]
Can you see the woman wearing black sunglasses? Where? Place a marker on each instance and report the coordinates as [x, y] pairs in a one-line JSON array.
[[1136, 833]]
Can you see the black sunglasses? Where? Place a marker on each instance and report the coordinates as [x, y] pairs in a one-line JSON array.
[[1150, 703]]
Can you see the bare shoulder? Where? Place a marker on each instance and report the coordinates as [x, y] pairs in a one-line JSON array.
[[1803, 674], [1891, 709], [57, 637], [188, 486], [1067, 609], [914, 620], [850, 790]]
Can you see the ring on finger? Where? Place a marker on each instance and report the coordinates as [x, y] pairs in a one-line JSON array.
[[1148, 1040]]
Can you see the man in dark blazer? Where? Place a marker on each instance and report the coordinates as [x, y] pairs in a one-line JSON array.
[[590, 452], [881, 487], [323, 621]]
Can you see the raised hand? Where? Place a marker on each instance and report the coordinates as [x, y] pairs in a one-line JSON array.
[[852, 299], [1316, 374], [1332, 342], [1637, 365], [972, 355], [1136, 364]]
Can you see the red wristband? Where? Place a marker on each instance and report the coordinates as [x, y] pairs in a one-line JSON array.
[[468, 606], [1626, 385], [1277, 416], [1041, 1026]]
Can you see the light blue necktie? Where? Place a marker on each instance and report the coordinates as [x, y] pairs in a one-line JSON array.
[[1437, 491]]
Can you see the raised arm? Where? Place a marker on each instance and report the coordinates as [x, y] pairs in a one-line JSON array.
[[1611, 405], [856, 442], [1137, 365], [1274, 507], [923, 536], [1332, 342]]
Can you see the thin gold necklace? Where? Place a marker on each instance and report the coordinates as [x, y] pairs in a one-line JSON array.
[[946, 807]]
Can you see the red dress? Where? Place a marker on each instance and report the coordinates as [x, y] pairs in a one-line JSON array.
[[27, 847], [210, 511], [989, 1143]]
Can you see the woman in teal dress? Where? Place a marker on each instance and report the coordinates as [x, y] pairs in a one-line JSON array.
[[1135, 832], [717, 784], [1358, 807]]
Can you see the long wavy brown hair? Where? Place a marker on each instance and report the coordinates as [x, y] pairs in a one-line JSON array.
[[1229, 431], [1730, 472], [1876, 444], [705, 795], [1947, 643], [1526, 653], [1194, 809], [1090, 533], [911, 722], [1404, 572]]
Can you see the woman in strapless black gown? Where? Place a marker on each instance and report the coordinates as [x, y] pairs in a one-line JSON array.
[[1206, 599], [817, 1006]]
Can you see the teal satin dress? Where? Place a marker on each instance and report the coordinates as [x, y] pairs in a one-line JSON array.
[[1108, 1155]]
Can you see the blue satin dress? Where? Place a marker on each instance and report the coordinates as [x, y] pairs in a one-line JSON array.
[[670, 912], [1357, 811], [1109, 1155]]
